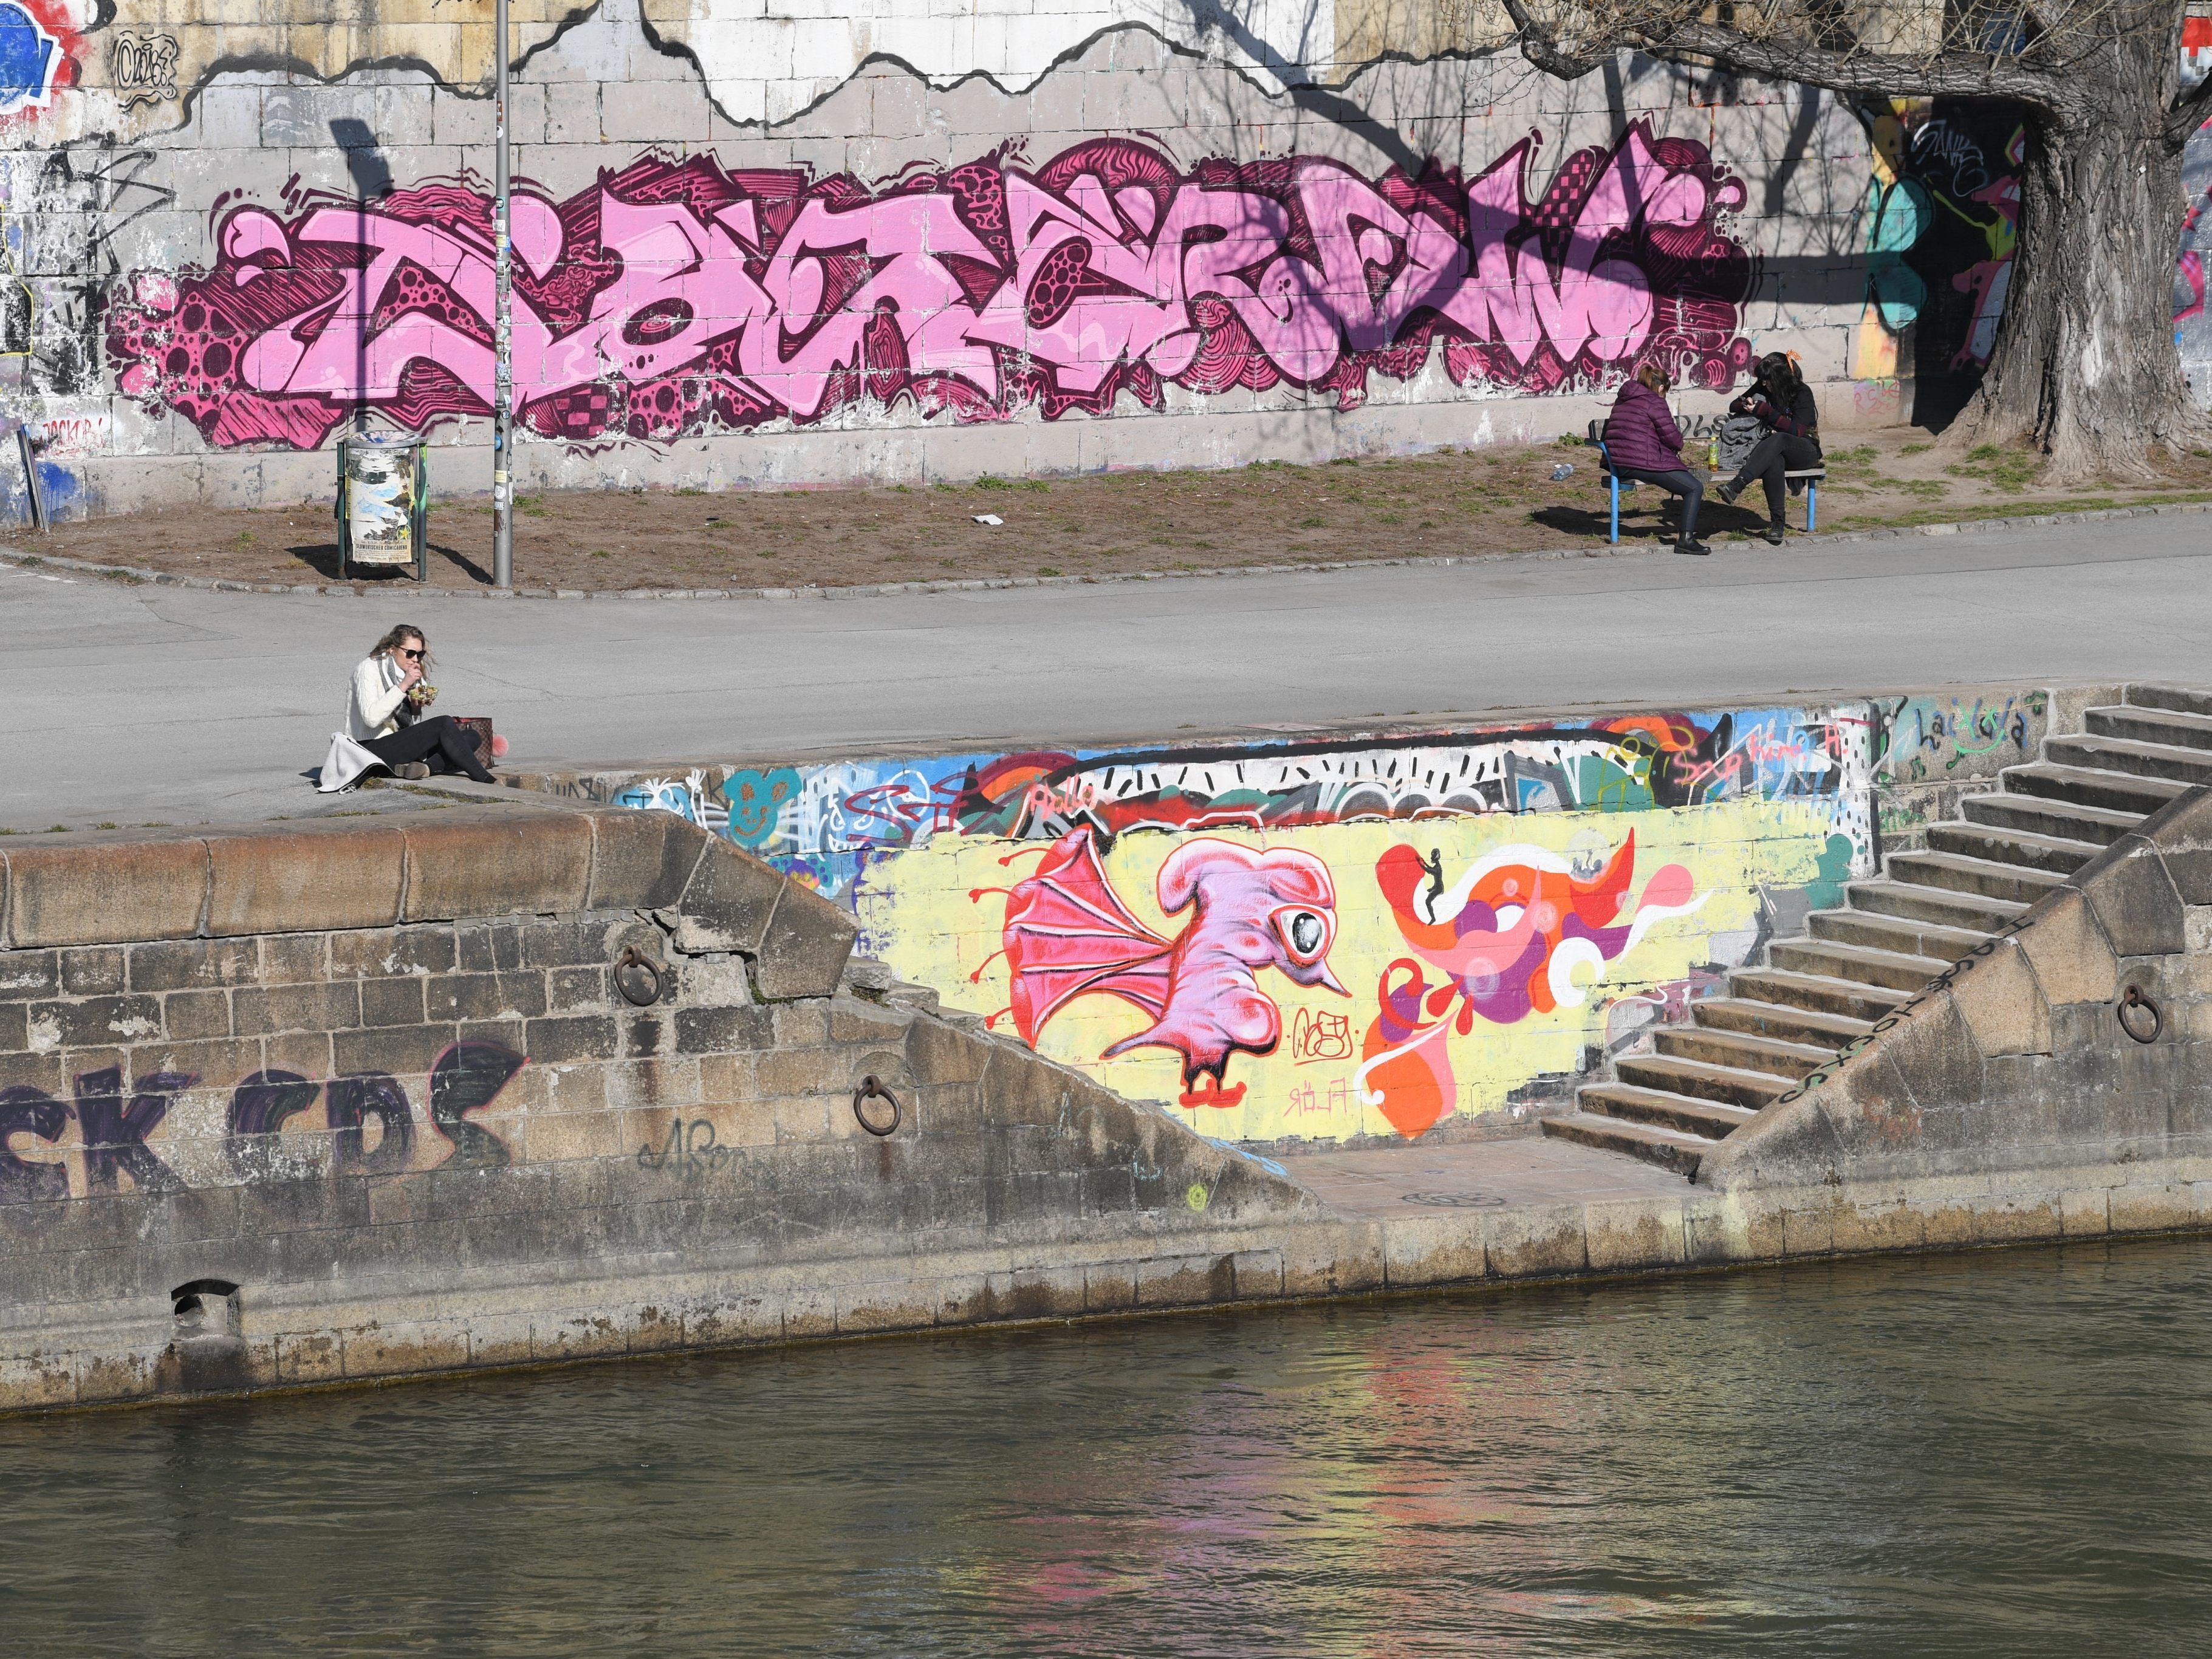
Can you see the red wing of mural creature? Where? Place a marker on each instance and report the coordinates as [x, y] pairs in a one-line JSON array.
[[1067, 934]]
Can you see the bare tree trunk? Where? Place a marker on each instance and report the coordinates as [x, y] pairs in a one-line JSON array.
[[2085, 365]]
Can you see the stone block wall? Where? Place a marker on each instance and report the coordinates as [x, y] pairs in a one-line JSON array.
[[513, 1084], [2073, 1049]]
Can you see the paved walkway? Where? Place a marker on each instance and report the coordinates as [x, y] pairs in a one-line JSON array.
[[156, 704], [1528, 1172]]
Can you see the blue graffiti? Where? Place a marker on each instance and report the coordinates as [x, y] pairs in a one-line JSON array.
[[29, 56]]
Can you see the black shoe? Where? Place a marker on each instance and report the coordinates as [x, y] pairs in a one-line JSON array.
[[1773, 533], [1727, 492], [411, 771], [1691, 545]]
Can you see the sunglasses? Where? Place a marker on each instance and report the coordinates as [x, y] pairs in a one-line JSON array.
[[405, 652]]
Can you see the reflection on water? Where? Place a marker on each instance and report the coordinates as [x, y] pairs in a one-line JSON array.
[[1999, 1454]]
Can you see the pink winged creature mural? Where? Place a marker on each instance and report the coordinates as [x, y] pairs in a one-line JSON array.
[[1068, 934]]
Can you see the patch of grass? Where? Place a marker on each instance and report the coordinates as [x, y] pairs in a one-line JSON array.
[[1207, 545], [1344, 460], [1042, 569], [1314, 523], [10, 832], [57, 829], [690, 490], [1916, 449], [901, 489], [106, 825], [245, 538], [990, 481], [603, 554], [1929, 489], [1268, 467], [1389, 518], [1569, 441], [1427, 523]]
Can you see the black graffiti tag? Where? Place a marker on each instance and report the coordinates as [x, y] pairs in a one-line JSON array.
[[259, 1107], [689, 1150], [115, 1133], [467, 1078], [351, 1103], [30, 1111]]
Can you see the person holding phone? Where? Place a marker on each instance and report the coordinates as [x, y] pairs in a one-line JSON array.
[[1781, 402], [387, 714]]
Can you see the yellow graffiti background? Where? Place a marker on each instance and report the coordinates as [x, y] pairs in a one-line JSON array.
[[915, 912]]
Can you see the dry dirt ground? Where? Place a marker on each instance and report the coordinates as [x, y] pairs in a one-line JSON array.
[[1495, 500]]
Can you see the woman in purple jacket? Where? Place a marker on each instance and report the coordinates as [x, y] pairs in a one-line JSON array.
[[1644, 443]]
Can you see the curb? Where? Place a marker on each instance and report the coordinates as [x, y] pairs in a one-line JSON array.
[[15, 558]]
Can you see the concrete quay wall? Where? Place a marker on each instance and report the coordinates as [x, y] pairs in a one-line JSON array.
[[290, 1107]]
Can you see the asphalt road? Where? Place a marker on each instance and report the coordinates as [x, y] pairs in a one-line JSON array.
[[153, 704]]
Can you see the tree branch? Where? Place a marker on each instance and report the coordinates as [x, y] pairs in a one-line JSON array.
[[1950, 75], [2189, 112]]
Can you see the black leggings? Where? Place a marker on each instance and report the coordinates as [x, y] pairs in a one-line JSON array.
[[1678, 481], [1777, 453], [446, 747]]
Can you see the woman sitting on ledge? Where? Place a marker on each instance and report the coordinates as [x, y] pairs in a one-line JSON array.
[[384, 709], [1782, 404]]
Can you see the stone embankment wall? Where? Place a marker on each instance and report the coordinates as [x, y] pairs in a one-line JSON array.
[[788, 246], [1492, 911], [289, 1106], [2056, 1082]]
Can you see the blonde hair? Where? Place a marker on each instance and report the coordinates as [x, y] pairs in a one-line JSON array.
[[397, 636]]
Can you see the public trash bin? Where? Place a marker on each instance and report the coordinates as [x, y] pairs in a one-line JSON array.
[[384, 495]]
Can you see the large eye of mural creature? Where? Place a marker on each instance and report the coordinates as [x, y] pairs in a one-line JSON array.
[[1305, 933]]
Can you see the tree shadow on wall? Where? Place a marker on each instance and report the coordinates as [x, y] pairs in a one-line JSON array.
[[322, 558]]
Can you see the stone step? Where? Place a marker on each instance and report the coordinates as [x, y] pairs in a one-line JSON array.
[[1893, 970], [1901, 934], [1979, 875], [1743, 1051], [1979, 841], [1699, 1081], [2137, 760], [2163, 726], [2179, 698], [1943, 905], [1662, 1111], [1680, 1154], [2039, 815], [2115, 791], [1820, 994], [1779, 1020]]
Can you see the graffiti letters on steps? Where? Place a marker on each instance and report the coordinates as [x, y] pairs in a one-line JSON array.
[[372, 1123], [676, 297]]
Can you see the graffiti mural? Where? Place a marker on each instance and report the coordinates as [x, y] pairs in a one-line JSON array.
[[1942, 225], [118, 1143], [1333, 937], [676, 297]]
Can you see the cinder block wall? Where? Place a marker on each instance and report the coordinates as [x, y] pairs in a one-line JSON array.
[[294, 1106], [793, 248]]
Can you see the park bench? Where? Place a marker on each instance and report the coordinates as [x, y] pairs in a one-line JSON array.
[[1809, 476]]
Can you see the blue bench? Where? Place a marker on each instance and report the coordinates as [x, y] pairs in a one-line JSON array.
[[1810, 476]]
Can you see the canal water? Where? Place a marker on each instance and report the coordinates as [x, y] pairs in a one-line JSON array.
[[2002, 1453]]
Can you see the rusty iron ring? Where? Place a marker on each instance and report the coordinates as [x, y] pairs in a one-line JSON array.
[[633, 966], [871, 1088], [2133, 997]]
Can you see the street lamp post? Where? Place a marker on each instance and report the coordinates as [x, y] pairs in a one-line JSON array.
[[502, 413]]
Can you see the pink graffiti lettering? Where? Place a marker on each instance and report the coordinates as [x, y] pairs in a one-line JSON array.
[[678, 297]]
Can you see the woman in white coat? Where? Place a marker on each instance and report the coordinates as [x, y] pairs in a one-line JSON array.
[[385, 713]]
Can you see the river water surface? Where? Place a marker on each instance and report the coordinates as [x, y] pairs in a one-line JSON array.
[[2003, 1453]]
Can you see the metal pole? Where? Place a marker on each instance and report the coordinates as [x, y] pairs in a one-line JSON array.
[[503, 416]]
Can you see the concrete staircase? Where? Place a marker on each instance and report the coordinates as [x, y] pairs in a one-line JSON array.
[[1670, 1103]]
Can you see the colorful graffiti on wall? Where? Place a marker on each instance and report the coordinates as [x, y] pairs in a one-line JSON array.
[[1942, 220], [1328, 937], [676, 297]]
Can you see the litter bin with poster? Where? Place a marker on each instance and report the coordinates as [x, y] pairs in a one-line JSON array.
[[384, 495]]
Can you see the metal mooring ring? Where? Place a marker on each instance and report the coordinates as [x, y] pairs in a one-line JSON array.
[[639, 978], [871, 1088], [2133, 997]]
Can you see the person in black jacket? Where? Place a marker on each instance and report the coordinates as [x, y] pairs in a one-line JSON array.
[[1780, 401]]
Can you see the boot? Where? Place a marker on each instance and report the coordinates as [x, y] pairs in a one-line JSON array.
[[1691, 545], [1774, 533]]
